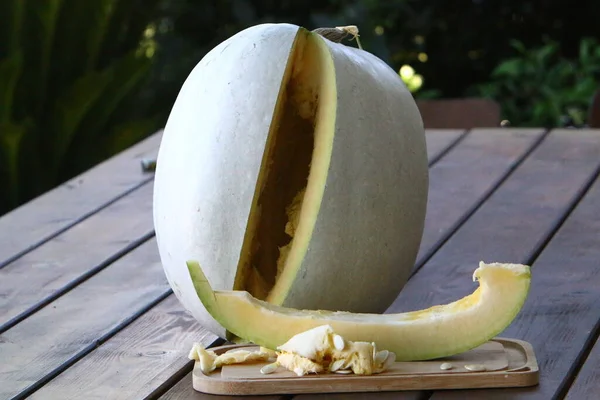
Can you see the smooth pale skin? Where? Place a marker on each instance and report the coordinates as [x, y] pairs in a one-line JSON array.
[[436, 332], [367, 194]]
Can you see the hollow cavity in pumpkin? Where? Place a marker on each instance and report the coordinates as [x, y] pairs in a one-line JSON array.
[[293, 172]]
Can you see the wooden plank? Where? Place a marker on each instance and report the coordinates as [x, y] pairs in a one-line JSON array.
[[43, 345], [72, 256], [365, 396], [92, 371], [465, 176], [441, 140], [562, 308], [93, 241], [137, 361], [587, 383], [458, 180], [74, 239], [511, 227], [438, 142], [37, 221], [183, 391]]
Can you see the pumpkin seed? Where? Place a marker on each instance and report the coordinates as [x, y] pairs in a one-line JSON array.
[[391, 359], [343, 371], [381, 356], [475, 367], [338, 342], [269, 368], [446, 366], [336, 365]]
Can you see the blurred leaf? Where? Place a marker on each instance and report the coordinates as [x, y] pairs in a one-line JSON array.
[[539, 89], [129, 133], [68, 75], [42, 17], [11, 136], [71, 108], [518, 45], [10, 69], [100, 14], [122, 77], [11, 12], [511, 68], [428, 94], [584, 50], [81, 30], [543, 54]]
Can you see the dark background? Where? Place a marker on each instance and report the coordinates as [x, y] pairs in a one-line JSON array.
[[82, 80]]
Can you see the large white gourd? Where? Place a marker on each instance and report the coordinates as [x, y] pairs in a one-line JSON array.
[[294, 168]]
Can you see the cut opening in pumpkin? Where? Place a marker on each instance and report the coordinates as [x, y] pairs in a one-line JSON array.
[[293, 172]]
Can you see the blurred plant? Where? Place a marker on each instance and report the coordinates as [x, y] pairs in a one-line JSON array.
[[412, 80], [453, 45], [69, 70], [539, 88]]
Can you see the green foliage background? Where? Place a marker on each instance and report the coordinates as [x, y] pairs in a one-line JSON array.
[[82, 80]]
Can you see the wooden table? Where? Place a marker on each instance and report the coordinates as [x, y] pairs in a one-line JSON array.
[[86, 311]]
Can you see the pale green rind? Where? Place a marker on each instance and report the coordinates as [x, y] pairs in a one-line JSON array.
[[207, 295], [409, 336], [202, 286]]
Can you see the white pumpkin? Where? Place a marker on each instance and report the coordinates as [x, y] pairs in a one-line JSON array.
[[295, 168]]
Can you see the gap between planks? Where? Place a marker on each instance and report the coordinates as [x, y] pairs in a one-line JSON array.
[[441, 141], [36, 222], [183, 390], [364, 396], [88, 236], [161, 338], [413, 395], [438, 144], [558, 165], [586, 384], [41, 347], [562, 337], [71, 258], [72, 292], [565, 166], [495, 165], [456, 191], [66, 365]]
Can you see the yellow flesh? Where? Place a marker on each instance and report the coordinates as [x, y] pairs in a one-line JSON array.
[[432, 333], [293, 172]]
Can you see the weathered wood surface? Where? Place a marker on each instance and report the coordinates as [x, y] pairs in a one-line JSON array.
[[513, 226], [41, 219], [86, 312], [464, 177], [183, 391], [73, 256], [150, 339], [439, 141], [587, 382]]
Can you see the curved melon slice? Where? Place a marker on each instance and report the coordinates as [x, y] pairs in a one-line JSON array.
[[435, 332]]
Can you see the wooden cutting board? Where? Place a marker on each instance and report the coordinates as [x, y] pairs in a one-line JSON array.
[[508, 363]]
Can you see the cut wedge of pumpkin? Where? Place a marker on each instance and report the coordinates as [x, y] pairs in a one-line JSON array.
[[435, 332]]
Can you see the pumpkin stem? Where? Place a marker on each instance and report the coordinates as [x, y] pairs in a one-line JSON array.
[[339, 33]]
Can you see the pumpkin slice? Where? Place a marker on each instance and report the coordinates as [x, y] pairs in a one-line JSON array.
[[435, 332]]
